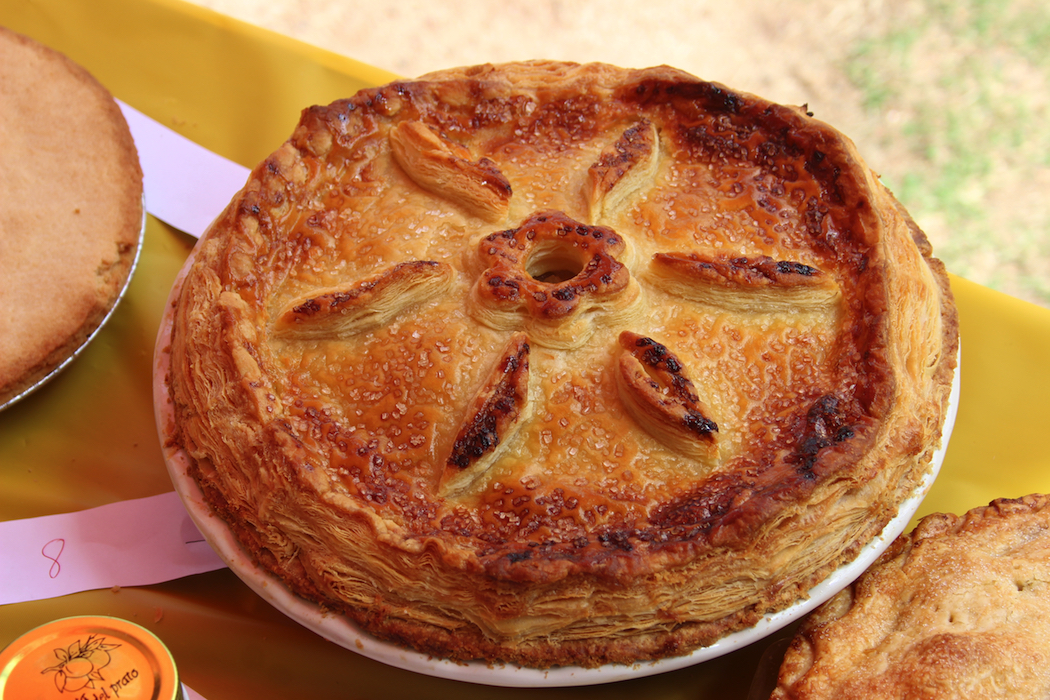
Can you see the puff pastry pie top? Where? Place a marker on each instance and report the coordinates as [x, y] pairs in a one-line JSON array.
[[956, 609], [559, 364]]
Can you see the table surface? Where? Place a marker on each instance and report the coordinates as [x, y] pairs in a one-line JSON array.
[[88, 438]]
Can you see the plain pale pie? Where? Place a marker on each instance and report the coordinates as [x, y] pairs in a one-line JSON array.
[[956, 609], [549, 363], [70, 209]]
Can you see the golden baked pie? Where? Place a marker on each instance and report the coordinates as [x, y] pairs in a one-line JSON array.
[[958, 608], [550, 363], [70, 209]]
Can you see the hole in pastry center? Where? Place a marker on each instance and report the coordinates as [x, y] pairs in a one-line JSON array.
[[554, 264]]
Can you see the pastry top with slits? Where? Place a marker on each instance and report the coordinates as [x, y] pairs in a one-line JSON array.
[[578, 363]]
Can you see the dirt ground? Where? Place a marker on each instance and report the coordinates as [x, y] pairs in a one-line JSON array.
[[947, 100]]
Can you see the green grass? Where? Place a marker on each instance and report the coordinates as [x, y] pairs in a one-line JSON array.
[[968, 80]]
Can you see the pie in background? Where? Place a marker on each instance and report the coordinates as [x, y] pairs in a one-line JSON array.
[[958, 608], [70, 209], [558, 364]]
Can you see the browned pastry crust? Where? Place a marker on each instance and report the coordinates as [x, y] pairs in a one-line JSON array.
[[70, 209], [632, 359], [958, 608]]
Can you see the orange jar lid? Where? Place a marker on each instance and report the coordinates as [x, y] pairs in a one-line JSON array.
[[88, 658]]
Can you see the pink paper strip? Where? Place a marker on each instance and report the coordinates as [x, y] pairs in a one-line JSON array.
[[186, 185], [128, 543]]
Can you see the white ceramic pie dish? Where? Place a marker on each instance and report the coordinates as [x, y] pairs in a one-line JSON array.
[[344, 632]]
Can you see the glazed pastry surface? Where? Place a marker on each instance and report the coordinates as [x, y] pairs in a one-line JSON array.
[[560, 364]]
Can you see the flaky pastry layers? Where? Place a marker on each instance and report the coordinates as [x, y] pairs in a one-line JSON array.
[[554, 364], [958, 608], [70, 209]]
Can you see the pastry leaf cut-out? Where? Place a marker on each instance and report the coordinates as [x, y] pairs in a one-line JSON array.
[[745, 284], [445, 168], [499, 408], [627, 166], [367, 304], [656, 391]]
